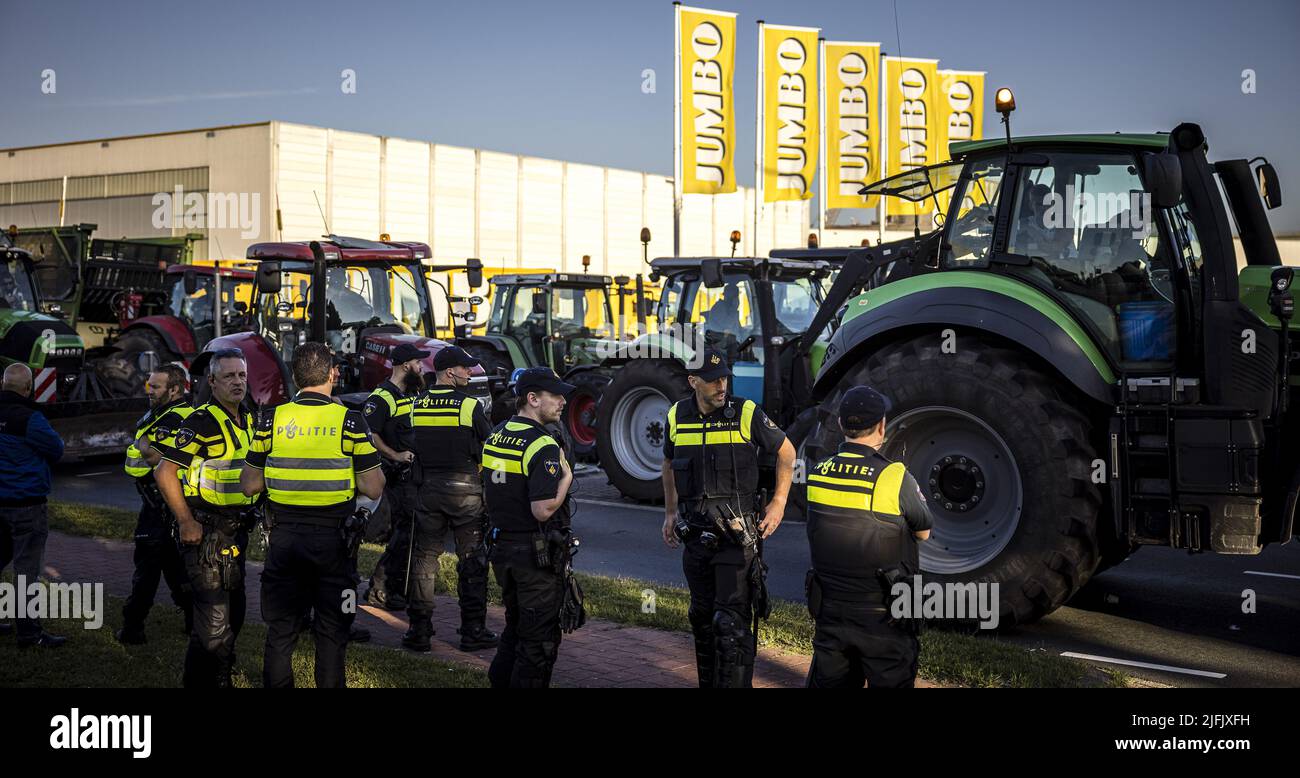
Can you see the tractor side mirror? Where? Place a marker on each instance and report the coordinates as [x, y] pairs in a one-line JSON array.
[[241, 307], [1270, 188], [1164, 180], [475, 300], [539, 303], [268, 277], [474, 272], [191, 282], [711, 272]]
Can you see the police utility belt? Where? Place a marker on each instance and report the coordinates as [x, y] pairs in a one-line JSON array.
[[710, 520]]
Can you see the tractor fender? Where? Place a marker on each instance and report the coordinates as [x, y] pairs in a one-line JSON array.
[[1006, 308], [174, 333], [653, 346]]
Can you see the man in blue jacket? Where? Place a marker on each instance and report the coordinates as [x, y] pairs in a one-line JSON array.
[[27, 447]]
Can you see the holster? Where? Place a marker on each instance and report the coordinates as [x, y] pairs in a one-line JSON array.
[[353, 530], [887, 578]]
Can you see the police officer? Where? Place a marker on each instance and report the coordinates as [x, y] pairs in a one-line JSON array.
[[311, 457], [526, 481], [156, 553], [450, 428], [710, 475], [199, 479], [865, 516], [388, 414]]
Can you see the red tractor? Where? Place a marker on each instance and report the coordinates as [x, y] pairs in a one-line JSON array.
[[361, 297]]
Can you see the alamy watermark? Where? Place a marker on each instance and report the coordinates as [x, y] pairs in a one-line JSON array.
[[34, 600], [915, 599], [132, 733], [1129, 210], [215, 210]]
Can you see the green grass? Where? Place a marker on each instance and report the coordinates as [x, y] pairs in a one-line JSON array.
[[93, 658], [946, 657]]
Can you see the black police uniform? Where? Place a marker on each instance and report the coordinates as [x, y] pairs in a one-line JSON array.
[[157, 555], [216, 583], [450, 429], [308, 562], [862, 511], [715, 461], [521, 464], [391, 421]]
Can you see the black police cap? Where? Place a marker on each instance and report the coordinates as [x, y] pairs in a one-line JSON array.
[[543, 379], [862, 408], [453, 356], [405, 352], [713, 365]]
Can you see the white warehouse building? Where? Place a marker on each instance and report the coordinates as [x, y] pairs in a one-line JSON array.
[[508, 210]]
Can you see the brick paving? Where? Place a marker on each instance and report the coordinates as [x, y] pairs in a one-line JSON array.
[[602, 653]]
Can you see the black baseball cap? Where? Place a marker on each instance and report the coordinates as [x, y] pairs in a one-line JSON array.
[[540, 379], [712, 367], [453, 356], [405, 352], [862, 408]]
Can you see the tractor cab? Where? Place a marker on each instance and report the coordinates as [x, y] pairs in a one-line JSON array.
[[553, 319], [360, 297], [17, 289], [193, 292]]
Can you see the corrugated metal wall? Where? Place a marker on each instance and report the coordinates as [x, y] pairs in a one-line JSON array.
[[508, 210]]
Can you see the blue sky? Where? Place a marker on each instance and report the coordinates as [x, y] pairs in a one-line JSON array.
[[563, 79]]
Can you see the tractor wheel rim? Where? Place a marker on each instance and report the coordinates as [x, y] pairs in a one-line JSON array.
[[970, 480], [639, 428], [581, 413]]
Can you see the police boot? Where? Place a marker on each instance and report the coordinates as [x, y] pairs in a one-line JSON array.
[[702, 631], [733, 667], [389, 601], [420, 636], [477, 637]]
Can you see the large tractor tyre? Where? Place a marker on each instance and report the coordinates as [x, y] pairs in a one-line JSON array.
[[632, 425], [135, 345], [120, 377], [1004, 458], [580, 412]]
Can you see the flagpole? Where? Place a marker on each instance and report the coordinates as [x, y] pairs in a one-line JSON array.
[[884, 145], [822, 137], [677, 129], [758, 142]]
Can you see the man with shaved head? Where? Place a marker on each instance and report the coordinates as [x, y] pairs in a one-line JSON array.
[[28, 445]]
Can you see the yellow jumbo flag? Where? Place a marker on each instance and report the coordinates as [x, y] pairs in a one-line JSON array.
[[912, 114], [788, 104], [706, 107], [851, 122], [961, 107]]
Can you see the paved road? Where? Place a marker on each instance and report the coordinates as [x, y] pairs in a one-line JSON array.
[[1161, 607]]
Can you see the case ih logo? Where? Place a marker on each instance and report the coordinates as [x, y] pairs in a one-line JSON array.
[[377, 348]]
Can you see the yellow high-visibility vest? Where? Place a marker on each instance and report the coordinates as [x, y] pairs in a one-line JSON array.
[[216, 481], [306, 465], [135, 464]]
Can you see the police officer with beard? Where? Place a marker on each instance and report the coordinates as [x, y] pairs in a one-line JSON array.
[[450, 428], [865, 516], [388, 413], [710, 474], [526, 482], [156, 555]]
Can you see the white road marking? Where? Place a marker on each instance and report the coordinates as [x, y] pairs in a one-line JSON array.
[[88, 475], [1274, 575], [613, 504], [1147, 665]]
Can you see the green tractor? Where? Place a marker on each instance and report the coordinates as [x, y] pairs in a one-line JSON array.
[[75, 394], [1077, 366], [561, 320], [756, 311]]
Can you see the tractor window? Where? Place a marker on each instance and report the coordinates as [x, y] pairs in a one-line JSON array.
[[15, 287], [197, 307], [580, 312], [795, 303], [971, 232], [728, 309], [1084, 220], [406, 300], [1189, 245]]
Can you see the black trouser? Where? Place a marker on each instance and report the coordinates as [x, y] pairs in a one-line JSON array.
[[531, 640], [23, 531], [389, 575], [854, 642], [452, 501], [156, 557], [720, 613], [219, 609], [307, 566]]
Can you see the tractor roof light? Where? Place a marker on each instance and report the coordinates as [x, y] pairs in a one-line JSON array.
[[735, 237], [1004, 101], [812, 240]]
